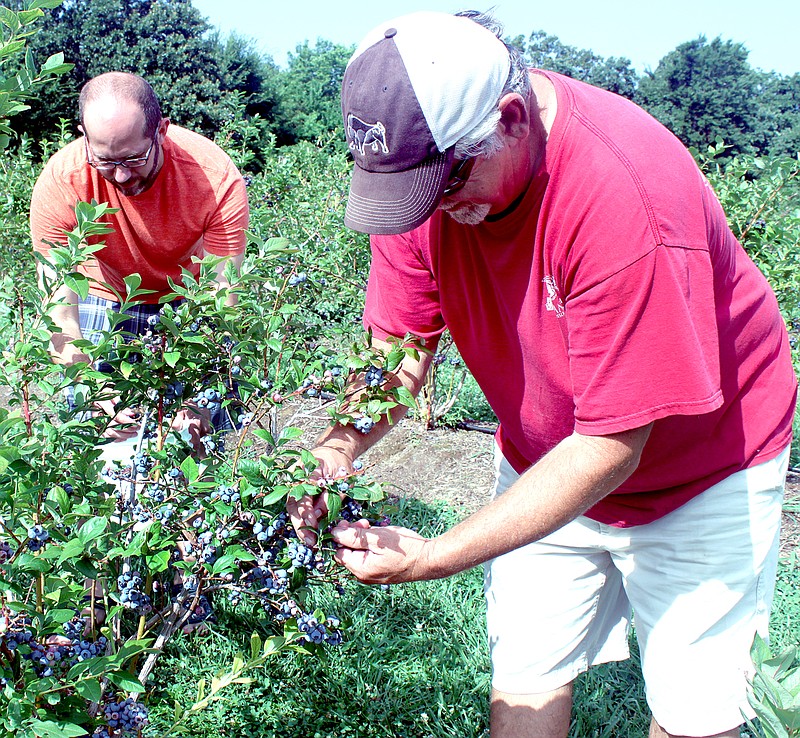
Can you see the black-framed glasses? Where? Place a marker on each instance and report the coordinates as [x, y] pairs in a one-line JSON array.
[[109, 165], [459, 175]]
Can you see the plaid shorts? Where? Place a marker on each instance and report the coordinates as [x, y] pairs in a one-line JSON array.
[[94, 322]]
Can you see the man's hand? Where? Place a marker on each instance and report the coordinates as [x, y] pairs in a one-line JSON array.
[[306, 512], [382, 555], [196, 422], [124, 424]]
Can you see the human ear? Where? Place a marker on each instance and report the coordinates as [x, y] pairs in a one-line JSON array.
[[514, 116], [162, 130]]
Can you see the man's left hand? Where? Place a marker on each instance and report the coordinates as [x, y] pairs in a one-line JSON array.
[[381, 555]]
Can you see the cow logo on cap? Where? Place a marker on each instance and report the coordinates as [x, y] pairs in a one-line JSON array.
[[362, 134]]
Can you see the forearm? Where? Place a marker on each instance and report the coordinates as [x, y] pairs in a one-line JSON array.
[[347, 443], [222, 282], [575, 475], [66, 318]]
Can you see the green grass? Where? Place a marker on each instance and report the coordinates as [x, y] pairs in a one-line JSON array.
[[415, 665]]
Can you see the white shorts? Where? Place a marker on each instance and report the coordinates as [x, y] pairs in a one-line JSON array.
[[700, 581]]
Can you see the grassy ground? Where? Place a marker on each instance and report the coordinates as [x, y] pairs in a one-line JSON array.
[[415, 666]]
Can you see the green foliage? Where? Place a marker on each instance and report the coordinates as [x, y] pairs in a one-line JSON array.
[[310, 91], [165, 41], [779, 115], [761, 198], [301, 196], [19, 74], [775, 692], [74, 510], [702, 91], [544, 51], [415, 663]]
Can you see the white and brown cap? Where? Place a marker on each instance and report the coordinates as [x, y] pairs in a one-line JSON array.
[[414, 87]]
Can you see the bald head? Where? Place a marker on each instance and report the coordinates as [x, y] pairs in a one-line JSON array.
[[120, 91]]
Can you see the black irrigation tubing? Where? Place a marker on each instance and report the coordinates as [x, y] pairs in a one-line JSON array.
[[490, 428]]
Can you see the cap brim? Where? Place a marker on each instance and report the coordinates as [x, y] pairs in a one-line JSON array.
[[397, 202]]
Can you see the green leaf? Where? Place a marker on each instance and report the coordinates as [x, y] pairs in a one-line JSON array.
[[92, 529], [50, 729], [86, 568], [78, 283], [26, 562], [224, 563], [334, 506], [190, 469], [172, 358], [264, 435], [158, 562], [89, 689], [50, 4], [58, 496], [11, 48], [255, 645], [73, 549], [126, 681], [404, 397], [276, 495], [132, 283]]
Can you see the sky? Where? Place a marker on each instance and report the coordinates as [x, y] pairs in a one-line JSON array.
[[642, 31]]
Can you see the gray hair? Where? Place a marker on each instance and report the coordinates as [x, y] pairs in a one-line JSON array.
[[484, 139]]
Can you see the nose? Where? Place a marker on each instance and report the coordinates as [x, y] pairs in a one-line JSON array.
[[121, 174]]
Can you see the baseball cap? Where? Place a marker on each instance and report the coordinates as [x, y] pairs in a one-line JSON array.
[[414, 86]]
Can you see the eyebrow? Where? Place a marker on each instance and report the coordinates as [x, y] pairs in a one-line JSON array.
[[125, 158]]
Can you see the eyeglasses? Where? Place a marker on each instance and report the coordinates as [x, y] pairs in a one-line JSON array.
[[459, 175], [108, 165]]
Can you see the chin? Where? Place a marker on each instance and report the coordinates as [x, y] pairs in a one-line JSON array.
[[467, 213], [131, 190]]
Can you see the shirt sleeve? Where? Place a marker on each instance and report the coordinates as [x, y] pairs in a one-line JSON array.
[[51, 213], [402, 294], [225, 233]]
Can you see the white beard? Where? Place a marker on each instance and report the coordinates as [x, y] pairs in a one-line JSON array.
[[467, 213]]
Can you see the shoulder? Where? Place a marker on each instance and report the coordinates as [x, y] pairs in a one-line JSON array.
[[193, 149], [67, 164]]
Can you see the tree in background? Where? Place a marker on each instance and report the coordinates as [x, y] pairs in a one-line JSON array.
[[547, 52], [19, 74], [702, 91], [310, 90], [166, 41], [779, 114]]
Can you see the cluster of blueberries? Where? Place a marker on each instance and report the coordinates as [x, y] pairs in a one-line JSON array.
[[315, 632], [131, 595], [363, 424], [373, 376], [6, 552], [46, 657], [37, 537], [124, 717]]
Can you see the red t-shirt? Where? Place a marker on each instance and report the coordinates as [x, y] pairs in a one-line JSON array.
[[614, 295], [197, 203]]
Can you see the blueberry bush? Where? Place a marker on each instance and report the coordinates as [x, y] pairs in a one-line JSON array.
[[108, 550]]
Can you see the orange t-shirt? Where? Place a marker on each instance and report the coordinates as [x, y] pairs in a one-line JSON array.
[[197, 204]]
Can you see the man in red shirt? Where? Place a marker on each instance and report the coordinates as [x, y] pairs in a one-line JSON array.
[[634, 355]]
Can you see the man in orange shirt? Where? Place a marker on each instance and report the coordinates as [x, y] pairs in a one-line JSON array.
[[177, 195]]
